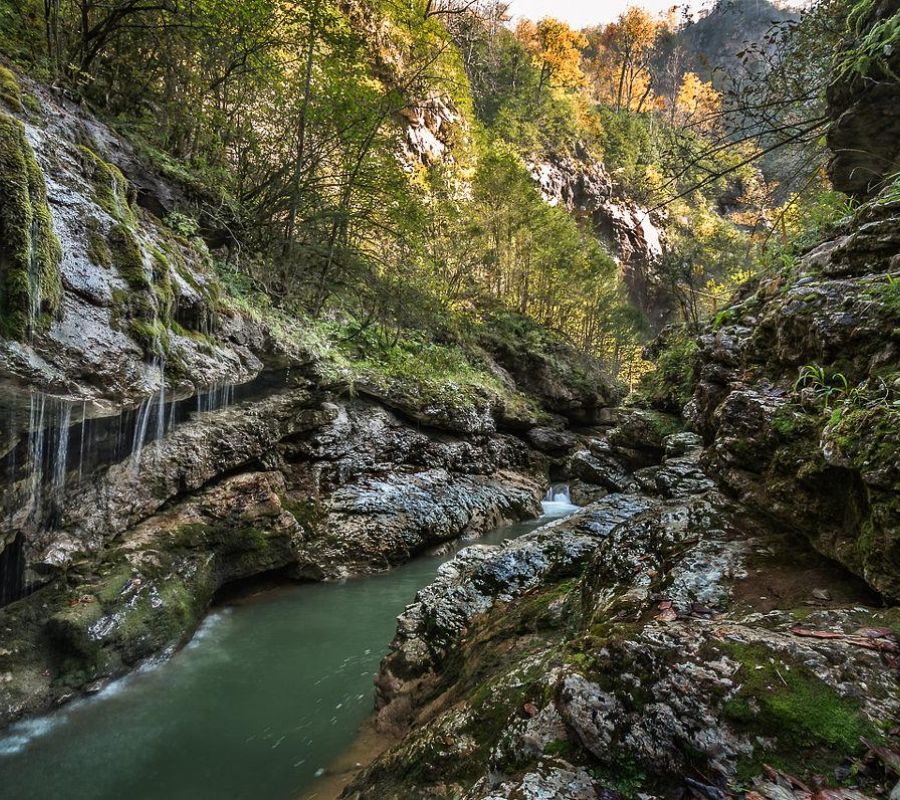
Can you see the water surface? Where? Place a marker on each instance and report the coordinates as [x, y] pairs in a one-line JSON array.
[[266, 696]]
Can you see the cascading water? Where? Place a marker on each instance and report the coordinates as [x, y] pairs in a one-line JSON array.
[[557, 500], [52, 444]]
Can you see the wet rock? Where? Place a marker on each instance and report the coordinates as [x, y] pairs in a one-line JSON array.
[[477, 579], [552, 778], [807, 454], [583, 493], [117, 262], [551, 441], [600, 469]]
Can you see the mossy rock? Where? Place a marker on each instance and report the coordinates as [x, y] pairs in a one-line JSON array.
[[30, 254], [111, 187], [10, 93], [98, 249], [868, 440], [812, 727]]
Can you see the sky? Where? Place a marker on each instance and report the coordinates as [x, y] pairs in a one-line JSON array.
[[579, 13]]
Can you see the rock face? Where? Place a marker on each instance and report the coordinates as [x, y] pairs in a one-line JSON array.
[[131, 287], [292, 484], [864, 106], [566, 383], [797, 399], [633, 234], [656, 635]]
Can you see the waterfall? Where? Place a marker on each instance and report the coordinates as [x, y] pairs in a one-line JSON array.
[[558, 493], [51, 444], [557, 501]]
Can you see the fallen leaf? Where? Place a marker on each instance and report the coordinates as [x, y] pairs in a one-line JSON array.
[[881, 645]]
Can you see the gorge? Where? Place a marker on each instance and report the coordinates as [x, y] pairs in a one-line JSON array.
[[412, 402]]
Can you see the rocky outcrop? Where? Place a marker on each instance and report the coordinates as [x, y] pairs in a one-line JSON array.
[[796, 398], [566, 383], [292, 484], [633, 233], [431, 126], [117, 286], [658, 641], [864, 105]]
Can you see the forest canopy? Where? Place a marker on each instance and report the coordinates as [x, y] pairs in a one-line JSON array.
[[374, 162]]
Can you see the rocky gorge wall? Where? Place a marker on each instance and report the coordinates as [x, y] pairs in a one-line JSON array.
[[720, 620], [663, 640], [631, 232], [161, 443]]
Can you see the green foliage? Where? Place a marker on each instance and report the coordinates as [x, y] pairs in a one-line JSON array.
[[670, 384], [872, 44], [826, 386]]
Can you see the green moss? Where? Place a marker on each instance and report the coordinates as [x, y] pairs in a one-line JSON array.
[[32, 104], [625, 775], [152, 335], [110, 186], [308, 513], [10, 93], [562, 748], [814, 727], [868, 439], [128, 257], [30, 254], [790, 421], [98, 249]]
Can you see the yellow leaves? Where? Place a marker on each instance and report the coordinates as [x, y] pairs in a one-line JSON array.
[[620, 67], [638, 29], [556, 50], [697, 102]]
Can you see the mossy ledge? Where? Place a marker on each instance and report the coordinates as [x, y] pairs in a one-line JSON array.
[[30, 254], [10, 93]]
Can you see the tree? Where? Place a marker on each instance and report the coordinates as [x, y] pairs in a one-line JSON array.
[[697, 103], [556, 50], [630, 41]]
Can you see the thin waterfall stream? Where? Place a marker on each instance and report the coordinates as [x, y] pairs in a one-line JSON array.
[[269, 693], [49, 445]]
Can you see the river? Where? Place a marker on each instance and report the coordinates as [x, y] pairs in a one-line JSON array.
[[269, 693]]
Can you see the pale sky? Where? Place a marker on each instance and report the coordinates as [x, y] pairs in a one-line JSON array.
[[580, 13]]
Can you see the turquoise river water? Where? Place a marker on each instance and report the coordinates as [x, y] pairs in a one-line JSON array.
[[266, 697]]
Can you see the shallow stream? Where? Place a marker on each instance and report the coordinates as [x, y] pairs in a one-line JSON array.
[[270, 692]]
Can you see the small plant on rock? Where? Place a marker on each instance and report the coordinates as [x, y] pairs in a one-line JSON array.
[[825, 388]]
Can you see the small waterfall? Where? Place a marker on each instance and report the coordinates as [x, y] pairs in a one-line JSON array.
[[558, 493], [558, 502], [217, 397], [52, 444]]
